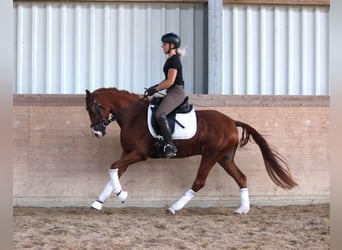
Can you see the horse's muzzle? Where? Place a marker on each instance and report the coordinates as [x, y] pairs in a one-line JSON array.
[[98, 133]]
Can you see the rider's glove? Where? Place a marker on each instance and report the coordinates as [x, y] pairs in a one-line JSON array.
[[151, 91]]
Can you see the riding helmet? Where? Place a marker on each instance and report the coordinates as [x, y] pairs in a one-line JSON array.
[[171, 38]]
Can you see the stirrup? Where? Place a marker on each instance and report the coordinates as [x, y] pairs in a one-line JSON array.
[[170, 151]]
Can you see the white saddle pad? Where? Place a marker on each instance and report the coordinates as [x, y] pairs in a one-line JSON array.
[[188, 120]]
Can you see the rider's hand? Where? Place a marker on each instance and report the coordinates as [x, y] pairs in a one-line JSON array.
[[150, 91]]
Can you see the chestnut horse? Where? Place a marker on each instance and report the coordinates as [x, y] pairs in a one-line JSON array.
[[216, 139]]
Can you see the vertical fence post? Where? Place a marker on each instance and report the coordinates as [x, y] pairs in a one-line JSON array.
[[215, 46]]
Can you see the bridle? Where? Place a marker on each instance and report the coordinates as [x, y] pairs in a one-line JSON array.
[[103, 122]]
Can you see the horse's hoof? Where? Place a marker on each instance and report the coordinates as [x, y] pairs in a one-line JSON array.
[[170, 210], [96, 205], [241, 210], [122, 196]]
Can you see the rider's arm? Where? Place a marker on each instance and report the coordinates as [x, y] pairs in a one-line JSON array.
[[168, 82]]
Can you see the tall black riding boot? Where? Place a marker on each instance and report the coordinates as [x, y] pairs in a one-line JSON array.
[[169, 148]]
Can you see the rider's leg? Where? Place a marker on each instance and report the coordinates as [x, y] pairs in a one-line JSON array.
[[169, 148], [175, 96]]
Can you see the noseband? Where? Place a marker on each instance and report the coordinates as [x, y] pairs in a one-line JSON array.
[[103, 122]]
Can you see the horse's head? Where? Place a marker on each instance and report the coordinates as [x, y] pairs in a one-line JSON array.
[[99, 114]]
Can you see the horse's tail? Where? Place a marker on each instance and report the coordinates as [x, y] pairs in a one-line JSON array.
[[276, 164]]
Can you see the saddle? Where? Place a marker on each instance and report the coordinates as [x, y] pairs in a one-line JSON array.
[[183, 108], [182, 121]]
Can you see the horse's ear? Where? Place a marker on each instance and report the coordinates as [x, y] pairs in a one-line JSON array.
[[87, 92]]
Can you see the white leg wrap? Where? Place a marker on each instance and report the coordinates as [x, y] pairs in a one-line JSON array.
[[244, 206], [114, 180], [97, 205], [122, 196], [178, 205], [108, 189]]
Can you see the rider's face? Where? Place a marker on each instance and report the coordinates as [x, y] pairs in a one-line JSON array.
[[166, 47]]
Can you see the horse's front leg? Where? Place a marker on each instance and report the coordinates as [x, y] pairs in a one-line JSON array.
[[113, 185]]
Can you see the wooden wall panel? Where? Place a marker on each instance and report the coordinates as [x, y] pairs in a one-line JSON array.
[[56, 161]]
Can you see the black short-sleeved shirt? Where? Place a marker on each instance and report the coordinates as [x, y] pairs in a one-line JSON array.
[[174, 62]]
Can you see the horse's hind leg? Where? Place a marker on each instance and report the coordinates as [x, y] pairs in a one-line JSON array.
[[230, 167], [206, 165]]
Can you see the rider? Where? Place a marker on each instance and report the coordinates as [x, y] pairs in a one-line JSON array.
[[174, 85]]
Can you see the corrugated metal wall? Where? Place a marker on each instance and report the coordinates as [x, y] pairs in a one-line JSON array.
[[67, 47], [276, 50]]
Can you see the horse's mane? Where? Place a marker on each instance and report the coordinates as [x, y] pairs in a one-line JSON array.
[[131, 96]]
